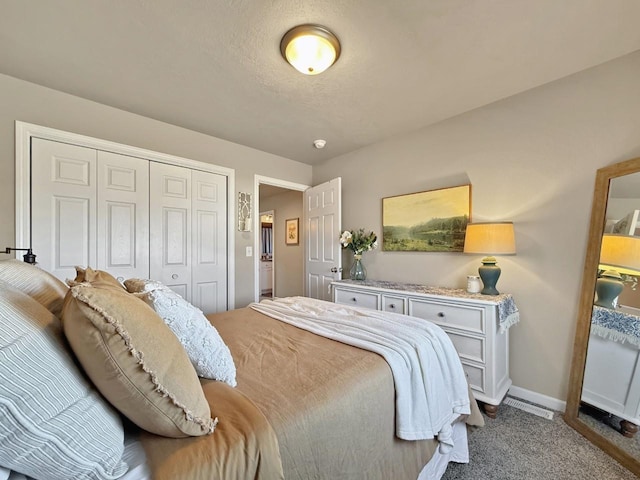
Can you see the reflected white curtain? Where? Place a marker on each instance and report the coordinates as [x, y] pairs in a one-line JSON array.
[[267, 241]]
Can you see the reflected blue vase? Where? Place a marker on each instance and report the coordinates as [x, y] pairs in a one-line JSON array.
[[608, 286], [357, 271]]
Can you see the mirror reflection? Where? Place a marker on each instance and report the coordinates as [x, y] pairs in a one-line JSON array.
[[610, 401]]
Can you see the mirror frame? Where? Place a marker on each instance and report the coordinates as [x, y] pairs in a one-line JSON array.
[[596, 229]]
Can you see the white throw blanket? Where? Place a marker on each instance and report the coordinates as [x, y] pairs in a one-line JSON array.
[[431, 387]]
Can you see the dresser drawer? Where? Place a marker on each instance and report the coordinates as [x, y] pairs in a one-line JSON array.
[[356, 299], [465, 317], [394, 304], [469, 347], [475, 375]]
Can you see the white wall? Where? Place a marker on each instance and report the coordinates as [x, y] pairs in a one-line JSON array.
[[31, 103], [531, 159]]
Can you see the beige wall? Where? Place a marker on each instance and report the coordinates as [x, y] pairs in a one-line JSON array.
[[531, 158], [288, 262], [34, 104]]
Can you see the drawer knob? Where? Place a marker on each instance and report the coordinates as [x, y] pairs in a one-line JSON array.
[[174, 276], [120, 279], [392, 305], [441, 314], [354, 299]]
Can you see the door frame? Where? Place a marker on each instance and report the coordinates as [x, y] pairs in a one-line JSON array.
[[26, 131], [276, 182]]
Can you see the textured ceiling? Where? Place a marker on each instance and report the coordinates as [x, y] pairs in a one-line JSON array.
[[214, 66]]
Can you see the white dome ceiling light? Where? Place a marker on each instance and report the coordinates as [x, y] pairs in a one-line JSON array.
[[310, 48]]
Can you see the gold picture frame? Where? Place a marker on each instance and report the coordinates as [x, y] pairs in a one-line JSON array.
[[431, 221], [291, 230]]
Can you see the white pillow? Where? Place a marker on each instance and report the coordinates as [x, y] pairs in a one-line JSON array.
[[207, 351], [53, 424]]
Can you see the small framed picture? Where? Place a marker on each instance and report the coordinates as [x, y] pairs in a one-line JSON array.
[[291, 231]]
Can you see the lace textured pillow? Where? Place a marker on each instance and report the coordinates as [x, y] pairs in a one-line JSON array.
[[208, 353]]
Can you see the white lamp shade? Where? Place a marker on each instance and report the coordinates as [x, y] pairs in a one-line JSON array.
[[490, 239], [620, 253]]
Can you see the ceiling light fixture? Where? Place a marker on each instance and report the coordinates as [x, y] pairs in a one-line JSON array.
[[310, 48]]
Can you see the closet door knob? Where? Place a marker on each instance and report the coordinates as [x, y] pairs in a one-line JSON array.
[[174, 276]]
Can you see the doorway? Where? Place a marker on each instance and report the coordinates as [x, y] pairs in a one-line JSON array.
[[266, 255], [283, 201]]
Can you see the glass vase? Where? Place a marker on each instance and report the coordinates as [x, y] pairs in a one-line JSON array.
[[357, 271]]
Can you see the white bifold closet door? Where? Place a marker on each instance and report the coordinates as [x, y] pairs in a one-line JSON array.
[[89, 208], [132, 217], [188, 247]]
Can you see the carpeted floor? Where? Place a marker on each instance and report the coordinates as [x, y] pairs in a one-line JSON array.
[[521, 446], [609, 427]]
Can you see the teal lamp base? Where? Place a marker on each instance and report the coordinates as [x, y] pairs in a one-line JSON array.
[[489, 273], [608, 287]]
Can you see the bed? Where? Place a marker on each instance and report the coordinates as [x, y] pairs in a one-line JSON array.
[[304, 407]]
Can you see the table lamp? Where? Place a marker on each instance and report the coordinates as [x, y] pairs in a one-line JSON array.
[[490, 239], [619, 255]]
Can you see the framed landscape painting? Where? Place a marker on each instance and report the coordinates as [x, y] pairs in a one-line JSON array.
[[432, 221]]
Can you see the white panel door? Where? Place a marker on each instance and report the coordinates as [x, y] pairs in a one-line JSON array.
[[322, 219], [63, 206], [209, 241], [170, 227], [123, 215]]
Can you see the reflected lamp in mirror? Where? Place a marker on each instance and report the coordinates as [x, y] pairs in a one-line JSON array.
[[490, 239], [619, 255]]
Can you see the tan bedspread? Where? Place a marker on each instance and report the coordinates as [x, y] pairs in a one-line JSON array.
[[331, 405], [243, 445]]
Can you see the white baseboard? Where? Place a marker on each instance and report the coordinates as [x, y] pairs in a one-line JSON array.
[[537, 398]]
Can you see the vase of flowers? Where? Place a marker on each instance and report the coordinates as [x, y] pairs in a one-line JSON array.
[[358, 241]]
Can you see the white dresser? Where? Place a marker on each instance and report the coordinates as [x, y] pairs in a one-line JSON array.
[[478, 326], [611, 381]]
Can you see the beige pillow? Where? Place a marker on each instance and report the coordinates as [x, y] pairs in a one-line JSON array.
[[97, 278], [136, 361], [43, 287]]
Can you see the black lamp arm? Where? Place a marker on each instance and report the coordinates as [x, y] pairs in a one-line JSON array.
[[28, 257]]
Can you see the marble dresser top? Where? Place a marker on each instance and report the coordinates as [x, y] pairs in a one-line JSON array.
[[508, 313], [426, 290]]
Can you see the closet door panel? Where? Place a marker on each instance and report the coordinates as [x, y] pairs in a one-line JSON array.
[[131, 217], [63, 206], [209, 272], [123, 215], [71, 232], [170, 232]]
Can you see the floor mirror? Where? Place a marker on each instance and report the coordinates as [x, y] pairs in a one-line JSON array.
[[603, 403]]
